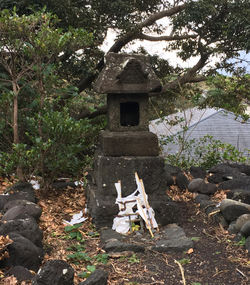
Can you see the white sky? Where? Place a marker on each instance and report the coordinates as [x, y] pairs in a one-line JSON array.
[[158, 48]]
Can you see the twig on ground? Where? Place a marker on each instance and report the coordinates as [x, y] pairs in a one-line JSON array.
[[220, 272], [242, 273], [210, 214], [182, 272]]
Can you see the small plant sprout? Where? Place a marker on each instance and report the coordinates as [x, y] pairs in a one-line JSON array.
[[134, 259], [90, 270], [184, 261]]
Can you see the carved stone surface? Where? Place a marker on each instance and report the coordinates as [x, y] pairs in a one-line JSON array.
[[108, 170], [126, 73], [117, 116], [128, 143]]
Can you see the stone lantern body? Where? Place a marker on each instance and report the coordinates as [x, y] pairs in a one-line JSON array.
[[126, 146]]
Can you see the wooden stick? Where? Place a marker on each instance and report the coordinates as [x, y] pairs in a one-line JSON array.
[[146, 220], [182, 272], [146, 201]]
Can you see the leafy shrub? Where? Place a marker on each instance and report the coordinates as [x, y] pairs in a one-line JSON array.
[[205, 152], [52, 149]]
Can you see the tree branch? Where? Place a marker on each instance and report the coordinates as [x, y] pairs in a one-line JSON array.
[[187, 77], [125, 39], [165, 38]]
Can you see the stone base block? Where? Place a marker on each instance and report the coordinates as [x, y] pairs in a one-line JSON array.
[[129, 143], [108, 170]]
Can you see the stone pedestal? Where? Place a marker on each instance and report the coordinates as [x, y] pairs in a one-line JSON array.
[[101, 193]]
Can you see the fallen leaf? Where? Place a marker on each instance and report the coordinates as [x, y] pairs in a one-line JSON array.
[[190, 251]]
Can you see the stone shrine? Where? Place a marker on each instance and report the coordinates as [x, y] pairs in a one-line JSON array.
[[127, 146]]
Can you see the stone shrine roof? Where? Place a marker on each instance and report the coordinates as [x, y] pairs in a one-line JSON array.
[[126, 73]]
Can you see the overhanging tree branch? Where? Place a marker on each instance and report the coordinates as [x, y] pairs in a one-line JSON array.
[[165, 38]]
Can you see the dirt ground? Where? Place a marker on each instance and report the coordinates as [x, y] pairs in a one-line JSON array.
[[215, 259]]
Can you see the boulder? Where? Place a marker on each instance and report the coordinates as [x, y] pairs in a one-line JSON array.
[[196, 184], [115, 245], [98, 277], [225, 176], [201, 197], [172, 170], [237, 183], [166, 212], [233, 212], [182, 181], [244, 168], [247, 244], [173, 245], [31, 209], [19, 225], [208, 189], [241, 221], [55, 272], [198, 172], [108, 234], [222, 167], [227, 202], [232, 228], [21, 252], [21, 273], [239, 195], [245, 230]]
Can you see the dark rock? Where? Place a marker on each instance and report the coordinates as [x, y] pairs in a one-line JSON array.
[[201, 197], [34, 236], [196, 184], [21, 273], [174, 240], [223, 222], [222, 167], [245, 230], [31, 208], [25, 207], [198, 172], [239, 195], [55, 272], [21, 191], [98, 277], [165, 212], [173, 232], [210, 209], [241, 221], [208, 189], [109, 234], [182, 181], [233, 212], [244, 168], [21, 252], [224, 176], [232, 228], [227, 202], [118, 246], [170, 179], [237, 183], [18, 226], [172, 170], [204, 204], [247, 245], [173, 245], [14, 213], [238, 237]]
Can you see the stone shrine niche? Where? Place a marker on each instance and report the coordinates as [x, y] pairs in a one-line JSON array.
[[127, 80]]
